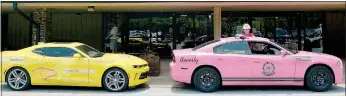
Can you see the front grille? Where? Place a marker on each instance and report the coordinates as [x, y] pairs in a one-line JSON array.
[[143, 75]]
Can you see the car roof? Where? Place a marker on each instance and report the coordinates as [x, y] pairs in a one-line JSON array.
[[52, 44], [245, 38], [62, 44]]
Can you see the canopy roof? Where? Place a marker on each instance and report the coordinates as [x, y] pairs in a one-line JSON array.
[[82, 7]]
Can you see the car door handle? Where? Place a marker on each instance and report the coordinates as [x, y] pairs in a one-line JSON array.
[[219, 59], [256, 61]]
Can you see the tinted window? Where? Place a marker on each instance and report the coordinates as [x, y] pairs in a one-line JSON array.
[[39, 51], [59, 52], [90, 51], [239, 47]]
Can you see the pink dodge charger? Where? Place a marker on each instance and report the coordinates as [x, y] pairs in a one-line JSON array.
[[253, 61]]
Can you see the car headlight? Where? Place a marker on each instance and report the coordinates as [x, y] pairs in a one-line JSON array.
[[339, 64], [139, 66]]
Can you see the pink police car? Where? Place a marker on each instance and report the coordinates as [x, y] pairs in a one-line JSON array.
[[253, 61]]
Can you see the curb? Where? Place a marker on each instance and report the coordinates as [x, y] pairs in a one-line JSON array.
[[163, 86]]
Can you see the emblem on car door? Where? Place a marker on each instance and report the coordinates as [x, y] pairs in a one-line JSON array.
[[268, 69]]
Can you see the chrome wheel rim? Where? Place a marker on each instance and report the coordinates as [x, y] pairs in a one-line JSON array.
[[207, 79], [320, 78], [17, 79], [115, 80]]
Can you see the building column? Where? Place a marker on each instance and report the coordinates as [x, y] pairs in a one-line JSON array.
[[44, 17], [174, 31], [217, 23]]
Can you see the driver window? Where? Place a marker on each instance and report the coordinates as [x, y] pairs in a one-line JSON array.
[[59, 52], [261, 48]]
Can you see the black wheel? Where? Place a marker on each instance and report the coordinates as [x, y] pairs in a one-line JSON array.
[[206, 80], [18, 79], [115, 80], [319, 79]]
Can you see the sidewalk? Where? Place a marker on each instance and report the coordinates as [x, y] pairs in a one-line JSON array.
[[165, 79]]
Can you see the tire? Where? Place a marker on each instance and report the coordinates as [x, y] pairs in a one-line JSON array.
[[203, 73], [312, 76], [16, 83], [122, 80]]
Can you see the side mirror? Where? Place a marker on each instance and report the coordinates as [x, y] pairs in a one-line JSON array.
[[77, 56], [283, 52]]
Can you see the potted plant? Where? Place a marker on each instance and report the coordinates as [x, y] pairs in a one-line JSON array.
[[153, 61]]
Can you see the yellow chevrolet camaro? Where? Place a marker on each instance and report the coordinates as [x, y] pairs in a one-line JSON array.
[[71, 64]]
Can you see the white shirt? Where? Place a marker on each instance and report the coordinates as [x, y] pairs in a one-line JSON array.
[[114, 31]]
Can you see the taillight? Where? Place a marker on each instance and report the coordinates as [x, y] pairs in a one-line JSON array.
[[173, 58]]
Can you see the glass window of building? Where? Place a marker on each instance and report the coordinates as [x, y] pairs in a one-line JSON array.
[[312, 32]]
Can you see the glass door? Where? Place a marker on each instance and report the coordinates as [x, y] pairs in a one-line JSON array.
[[194, 29], [151, 32], [280, 29]]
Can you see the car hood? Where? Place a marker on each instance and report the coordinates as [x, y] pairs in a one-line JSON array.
[[317, 55], [305, 53], [122, 58]]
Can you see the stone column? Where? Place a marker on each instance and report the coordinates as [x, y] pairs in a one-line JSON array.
[[43, 17], [217, 23]]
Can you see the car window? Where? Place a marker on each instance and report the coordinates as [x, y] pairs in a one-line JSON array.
[[237, 47], [90, 51], [263, 48], [59, 52], [39, 51]]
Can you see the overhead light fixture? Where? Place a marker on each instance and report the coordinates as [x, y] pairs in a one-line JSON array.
[[183, 15], [91, 8]]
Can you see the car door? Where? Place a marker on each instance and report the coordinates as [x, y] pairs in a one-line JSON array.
[[36, 71], [66, 70], [267, 63], [230, 59]]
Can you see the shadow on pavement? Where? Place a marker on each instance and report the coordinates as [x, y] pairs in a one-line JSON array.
[[75, 89], [252, 90]]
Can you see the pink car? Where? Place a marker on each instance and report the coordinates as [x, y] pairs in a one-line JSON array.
[[253, 61]]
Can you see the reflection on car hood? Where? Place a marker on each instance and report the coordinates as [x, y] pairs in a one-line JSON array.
[[125, 58], [317, 55], [305, 53], [312, 53]]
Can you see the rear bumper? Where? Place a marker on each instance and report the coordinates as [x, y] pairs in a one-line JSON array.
[[178, 74], [138, 76]]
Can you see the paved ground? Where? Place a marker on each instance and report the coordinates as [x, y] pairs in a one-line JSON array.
[[173, 91], [165, 77]]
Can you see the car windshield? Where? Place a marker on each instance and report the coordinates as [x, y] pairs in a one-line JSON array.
[[292, 51], [93, 53], [205, 44]]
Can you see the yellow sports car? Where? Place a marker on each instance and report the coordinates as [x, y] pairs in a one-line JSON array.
[[71, 64]]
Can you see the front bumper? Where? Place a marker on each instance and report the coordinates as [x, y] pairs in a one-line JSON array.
[[339, 75], [138, 76]]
